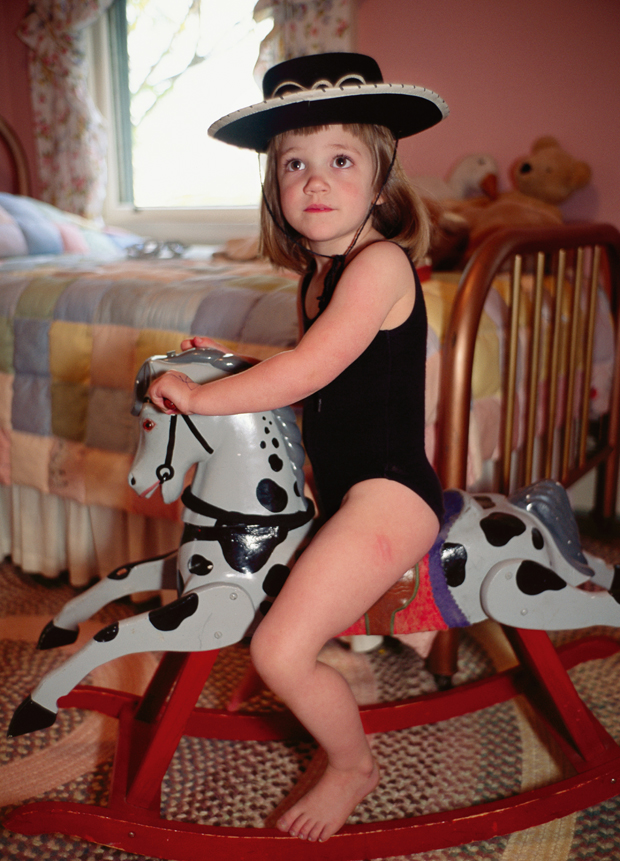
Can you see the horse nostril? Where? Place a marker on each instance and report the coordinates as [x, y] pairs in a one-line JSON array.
[[132, 481], [526, 167]]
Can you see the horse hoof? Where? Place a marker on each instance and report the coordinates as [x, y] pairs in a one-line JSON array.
[[53, 636], [28, 717]]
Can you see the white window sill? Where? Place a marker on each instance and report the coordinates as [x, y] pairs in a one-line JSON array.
[[208, 226]]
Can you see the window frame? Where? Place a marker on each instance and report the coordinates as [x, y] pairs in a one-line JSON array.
[[208, 225]]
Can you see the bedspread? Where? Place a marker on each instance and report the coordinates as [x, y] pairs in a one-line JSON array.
[[74, 332]]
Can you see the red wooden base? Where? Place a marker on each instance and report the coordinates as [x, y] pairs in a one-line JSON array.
[[150, 728]]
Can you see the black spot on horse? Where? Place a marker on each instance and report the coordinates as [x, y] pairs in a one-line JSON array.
[[275, 462], [170, 617], [246, 548], [197, 564], [453, 562], [534, 579], [275, 580], [105, 635], [484, 501], [271, 496], [537, 539], [499, 528]]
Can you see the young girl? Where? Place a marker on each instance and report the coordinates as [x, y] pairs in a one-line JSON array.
[[338, 208]]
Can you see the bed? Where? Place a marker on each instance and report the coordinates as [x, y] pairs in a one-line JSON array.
[[510, 398]]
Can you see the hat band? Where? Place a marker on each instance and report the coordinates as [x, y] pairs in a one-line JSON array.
[[287, 87]]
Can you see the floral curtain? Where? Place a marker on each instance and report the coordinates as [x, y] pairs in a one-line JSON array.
[[304, 27], [69, 131]]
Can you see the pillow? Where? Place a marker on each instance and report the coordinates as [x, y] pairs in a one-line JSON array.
[[30, 226], [41, 235], [73, 241], [98, 239], [12, 240]]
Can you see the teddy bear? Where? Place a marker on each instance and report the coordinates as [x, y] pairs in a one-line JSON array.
[[549, 173], [543, 179]]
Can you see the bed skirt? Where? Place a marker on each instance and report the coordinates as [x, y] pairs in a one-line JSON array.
[[47, 534]]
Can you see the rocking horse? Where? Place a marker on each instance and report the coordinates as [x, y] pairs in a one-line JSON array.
[[517, 560]]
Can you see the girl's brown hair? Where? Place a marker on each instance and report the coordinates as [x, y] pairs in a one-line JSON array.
[[401, 216]]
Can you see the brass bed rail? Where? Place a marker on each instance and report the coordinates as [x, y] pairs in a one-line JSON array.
[[554, 275]]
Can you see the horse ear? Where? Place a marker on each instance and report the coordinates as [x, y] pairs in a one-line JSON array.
[[141, 387]]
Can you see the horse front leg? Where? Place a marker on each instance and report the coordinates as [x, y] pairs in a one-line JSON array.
[[209, 617], [145, 576]]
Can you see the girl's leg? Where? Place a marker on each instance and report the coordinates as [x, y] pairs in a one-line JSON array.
[[381, 530]]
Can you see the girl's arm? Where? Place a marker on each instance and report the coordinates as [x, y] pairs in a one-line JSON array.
[[374, 287]]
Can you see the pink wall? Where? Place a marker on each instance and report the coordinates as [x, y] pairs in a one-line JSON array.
[[14, 88], [511, 71]]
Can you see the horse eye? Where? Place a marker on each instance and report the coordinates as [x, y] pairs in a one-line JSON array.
[[148, 424]]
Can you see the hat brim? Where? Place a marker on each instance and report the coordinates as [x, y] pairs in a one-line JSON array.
[[404, 109]]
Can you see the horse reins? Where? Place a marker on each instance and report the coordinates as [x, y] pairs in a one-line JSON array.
[[165, 470]]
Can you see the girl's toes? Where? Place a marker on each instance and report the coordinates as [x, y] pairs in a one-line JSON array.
[[303, 830], [315, 832], [292, 825]]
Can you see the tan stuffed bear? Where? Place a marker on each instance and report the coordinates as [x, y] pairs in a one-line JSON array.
[[543, 179], [549, 173]]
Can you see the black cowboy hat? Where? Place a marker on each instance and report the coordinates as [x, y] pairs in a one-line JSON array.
[[325, 89]]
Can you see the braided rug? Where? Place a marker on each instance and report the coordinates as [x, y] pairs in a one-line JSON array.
[[467, 760]]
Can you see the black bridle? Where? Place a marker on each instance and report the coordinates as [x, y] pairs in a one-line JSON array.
[[165, 470]]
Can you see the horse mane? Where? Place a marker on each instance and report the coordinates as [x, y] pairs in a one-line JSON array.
[[286, 420], [548, 500]]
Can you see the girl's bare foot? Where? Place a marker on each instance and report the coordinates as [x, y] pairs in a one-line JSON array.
[[325, 808]]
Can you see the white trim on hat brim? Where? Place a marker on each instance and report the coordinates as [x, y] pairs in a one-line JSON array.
[[328, 93]]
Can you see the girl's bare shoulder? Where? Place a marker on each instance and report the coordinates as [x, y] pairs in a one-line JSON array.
[[383, 263], [383, 254]]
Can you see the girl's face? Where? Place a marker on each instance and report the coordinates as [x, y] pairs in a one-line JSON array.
[[326, 182]]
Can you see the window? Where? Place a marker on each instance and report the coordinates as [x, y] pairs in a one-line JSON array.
[[173, 67]]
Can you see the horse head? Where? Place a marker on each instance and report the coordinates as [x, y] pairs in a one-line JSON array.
[[250, 463], [170, 444]]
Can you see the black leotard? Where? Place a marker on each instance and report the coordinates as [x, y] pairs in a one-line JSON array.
[[369, 421]]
